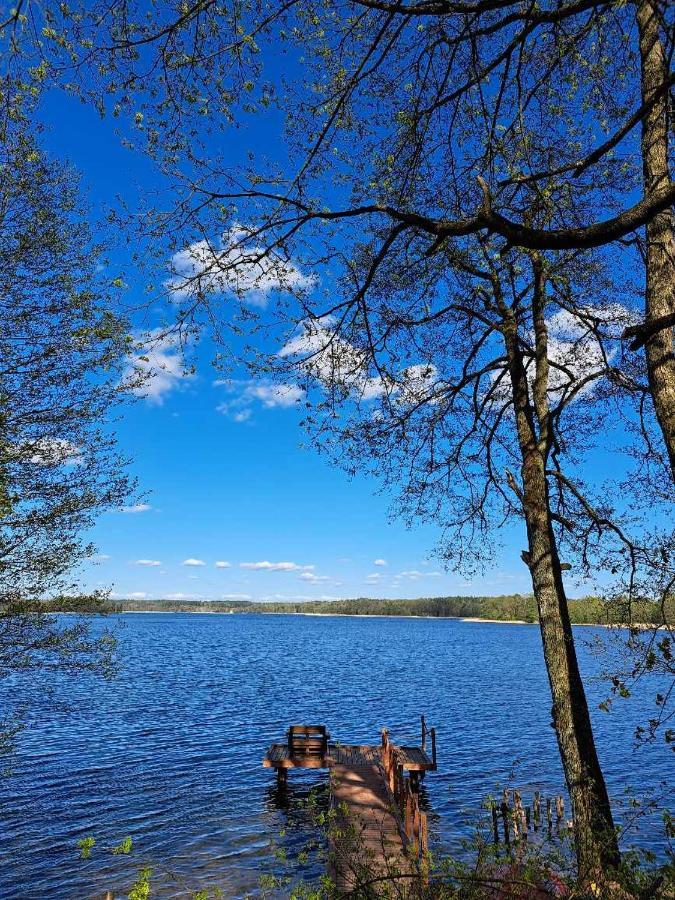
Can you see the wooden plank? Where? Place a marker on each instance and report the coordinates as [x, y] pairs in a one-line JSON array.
[[308, 729], [414, 759], [374, 844], [279, 757]]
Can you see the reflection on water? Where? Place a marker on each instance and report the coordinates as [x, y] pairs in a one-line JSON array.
[[170, 752]]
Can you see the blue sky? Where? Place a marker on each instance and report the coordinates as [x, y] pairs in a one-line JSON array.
[[232, 505]]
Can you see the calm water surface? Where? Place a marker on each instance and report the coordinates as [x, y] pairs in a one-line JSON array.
[[170, 751]]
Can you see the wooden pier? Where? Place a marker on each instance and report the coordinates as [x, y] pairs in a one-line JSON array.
[[379, 829]]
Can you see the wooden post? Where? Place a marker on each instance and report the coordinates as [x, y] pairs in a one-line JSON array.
[[549, 816], [409, 815], [505, 817], [559, 810], [424, 732], [108, 896], [527, 818], [517, 806], [520, 819], [424, 861], [537, 810], [495, 823], [432, 732], [416, 825], [282, 776]]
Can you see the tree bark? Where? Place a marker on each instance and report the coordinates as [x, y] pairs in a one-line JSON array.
[[594, 833], [660, 275]]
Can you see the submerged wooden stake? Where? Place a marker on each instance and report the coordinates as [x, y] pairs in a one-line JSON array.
[[505, 817], [519, 820]]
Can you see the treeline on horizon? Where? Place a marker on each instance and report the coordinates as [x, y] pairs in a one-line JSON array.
[[519, 607]]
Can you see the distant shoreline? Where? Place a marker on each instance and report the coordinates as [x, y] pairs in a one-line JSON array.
[[336, 615], [506, 609], [405, 616], [470, 619]]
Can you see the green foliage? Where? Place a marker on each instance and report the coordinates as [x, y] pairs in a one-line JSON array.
[[85, 846], [505, 608], [125, 847], [140, 889], [62, 354]]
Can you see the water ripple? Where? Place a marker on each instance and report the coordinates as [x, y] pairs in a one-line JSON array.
[[170, 751]]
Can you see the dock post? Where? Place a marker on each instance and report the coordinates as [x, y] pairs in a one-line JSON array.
[[424, 733], [433, 745], [519, 817], [495, 823], [505, 817], [537, 810], [282, 776]]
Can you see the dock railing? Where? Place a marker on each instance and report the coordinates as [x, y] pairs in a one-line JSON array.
[[432, 734], [412, 819]]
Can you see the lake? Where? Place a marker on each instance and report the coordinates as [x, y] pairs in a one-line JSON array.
[[170, 751]]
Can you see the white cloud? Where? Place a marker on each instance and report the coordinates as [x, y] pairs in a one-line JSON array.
[[235, 265], [193, 562], [267, 566], [311, 578], [101, 557], [374, 577], [271, 598], [331, 360], [147, 562], [323, 355], [245, 394], [138, 595], [136, 508], [223, 564], [235, 597], [414, 574], [380, 562], [181, 596], [158, 362], [418, 383], [575, 352], [52, 452]]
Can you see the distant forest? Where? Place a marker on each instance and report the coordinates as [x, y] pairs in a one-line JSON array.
[[519, 607]]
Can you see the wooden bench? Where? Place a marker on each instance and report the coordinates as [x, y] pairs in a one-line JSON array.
[[307, 740]]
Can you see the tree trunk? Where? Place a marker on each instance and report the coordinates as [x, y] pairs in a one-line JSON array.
[[594, 833], [660, 276]]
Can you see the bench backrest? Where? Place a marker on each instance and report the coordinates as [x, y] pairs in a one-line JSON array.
[[307, 740]]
